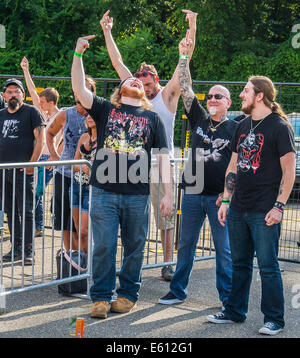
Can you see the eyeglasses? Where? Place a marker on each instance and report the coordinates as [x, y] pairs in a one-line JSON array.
[[9, 92], [144, 74], [217, 96]]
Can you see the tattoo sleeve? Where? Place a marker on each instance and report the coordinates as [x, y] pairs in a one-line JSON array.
[[185, 83], [230, 182]]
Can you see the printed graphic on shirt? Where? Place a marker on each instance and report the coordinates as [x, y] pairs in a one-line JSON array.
[[126, 133], [10, 128], [249, 151], [215, 147]]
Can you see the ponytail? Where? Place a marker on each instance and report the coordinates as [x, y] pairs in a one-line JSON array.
[[276, 108]]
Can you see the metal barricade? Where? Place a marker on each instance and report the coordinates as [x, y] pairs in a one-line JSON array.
[[36, 269], [17, 277]]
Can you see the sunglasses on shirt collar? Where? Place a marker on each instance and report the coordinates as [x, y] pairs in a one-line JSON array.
[[217, 96]]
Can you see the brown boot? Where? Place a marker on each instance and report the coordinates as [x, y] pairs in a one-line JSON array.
[[100, 309], [122, 305]]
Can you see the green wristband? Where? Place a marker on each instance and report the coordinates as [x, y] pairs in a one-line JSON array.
[[183, 57], [78, 54], [226, 202]]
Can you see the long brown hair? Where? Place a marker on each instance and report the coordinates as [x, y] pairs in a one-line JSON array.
[[115, 100], [265, 85]]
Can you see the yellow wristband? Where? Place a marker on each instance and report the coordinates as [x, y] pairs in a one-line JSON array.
[[78, 54]]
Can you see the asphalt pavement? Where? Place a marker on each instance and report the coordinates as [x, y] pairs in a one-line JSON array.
[[43, 313]]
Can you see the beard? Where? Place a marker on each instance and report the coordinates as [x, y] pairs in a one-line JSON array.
[[132, 92], [249, 108], [13, 103]]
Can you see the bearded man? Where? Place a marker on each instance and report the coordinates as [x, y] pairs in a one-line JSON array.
[[127, 131], [22, 138]]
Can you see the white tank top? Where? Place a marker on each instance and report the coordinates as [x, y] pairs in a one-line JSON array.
[[168, 119]]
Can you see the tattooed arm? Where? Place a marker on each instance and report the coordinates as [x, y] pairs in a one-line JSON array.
[[184, 76], [230, 179]]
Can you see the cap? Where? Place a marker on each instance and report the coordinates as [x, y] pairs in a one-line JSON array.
[[13, 81]]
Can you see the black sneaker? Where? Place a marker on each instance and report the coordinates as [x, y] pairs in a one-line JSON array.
[[270, 329], [219, 318], [170, 299], [9, 256], [167, 273]]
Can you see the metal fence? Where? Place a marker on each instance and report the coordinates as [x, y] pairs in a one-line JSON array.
[[17, 276]]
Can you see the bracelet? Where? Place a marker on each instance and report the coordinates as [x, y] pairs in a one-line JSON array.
[[279, 205], [276, 208], [183, 57], [224, 201], [78, 54]]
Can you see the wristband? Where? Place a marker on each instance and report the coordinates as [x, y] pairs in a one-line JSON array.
[[183, 57], [224, 201], [279, 205], [78, 54], [276, 208]]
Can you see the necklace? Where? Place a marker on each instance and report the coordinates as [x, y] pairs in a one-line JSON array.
[[214, 128], [251, 125]]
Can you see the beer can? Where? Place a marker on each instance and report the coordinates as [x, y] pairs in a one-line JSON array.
[[79, 327]]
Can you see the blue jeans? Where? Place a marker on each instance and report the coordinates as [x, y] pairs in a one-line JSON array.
[[194, 210], [108, 211], [80, 199], [248, 234], [39, 208]]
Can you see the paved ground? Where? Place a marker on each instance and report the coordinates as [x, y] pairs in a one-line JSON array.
[[43, 313]]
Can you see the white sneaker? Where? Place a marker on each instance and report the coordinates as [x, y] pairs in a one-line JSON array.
[[270, 329]]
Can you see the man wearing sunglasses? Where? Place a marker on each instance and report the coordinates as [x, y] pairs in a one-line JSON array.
[[211, 136], [164, 101]]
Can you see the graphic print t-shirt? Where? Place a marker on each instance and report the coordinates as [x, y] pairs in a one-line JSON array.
[[125, 138], [258, 166], [16, 133], [215, 149]]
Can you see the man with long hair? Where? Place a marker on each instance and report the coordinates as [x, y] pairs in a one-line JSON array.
[[164, 100], [258, 182], [126, 133]]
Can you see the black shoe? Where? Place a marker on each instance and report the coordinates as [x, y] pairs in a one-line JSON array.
[[9, 256], [170, 299]]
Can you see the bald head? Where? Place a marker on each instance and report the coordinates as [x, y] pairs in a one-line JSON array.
[[221, 89]]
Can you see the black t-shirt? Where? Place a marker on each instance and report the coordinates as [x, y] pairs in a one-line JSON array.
[[215, 149], [16, 133], [258, 165], [125, 138]]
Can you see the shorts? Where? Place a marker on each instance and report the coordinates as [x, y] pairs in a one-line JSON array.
[[85, 193], [62, 202], [167, 222]]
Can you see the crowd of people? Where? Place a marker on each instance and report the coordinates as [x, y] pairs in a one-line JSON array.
[[239, 175]]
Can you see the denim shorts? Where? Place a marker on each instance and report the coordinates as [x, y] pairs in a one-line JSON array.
[[84, 196]]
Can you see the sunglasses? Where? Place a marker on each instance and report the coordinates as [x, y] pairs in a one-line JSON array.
[[144, 74], [217, 96]]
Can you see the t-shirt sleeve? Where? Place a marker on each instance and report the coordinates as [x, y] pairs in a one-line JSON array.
[[285, 142], [37, 119], [98, 109], [197, 113], [160, 138]]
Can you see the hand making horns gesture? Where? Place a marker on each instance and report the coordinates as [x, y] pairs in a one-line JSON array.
[[83, 43]]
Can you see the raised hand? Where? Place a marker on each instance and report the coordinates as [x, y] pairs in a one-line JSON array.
[[191, 18], [83, 43], [106, 22], [24, 64]]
